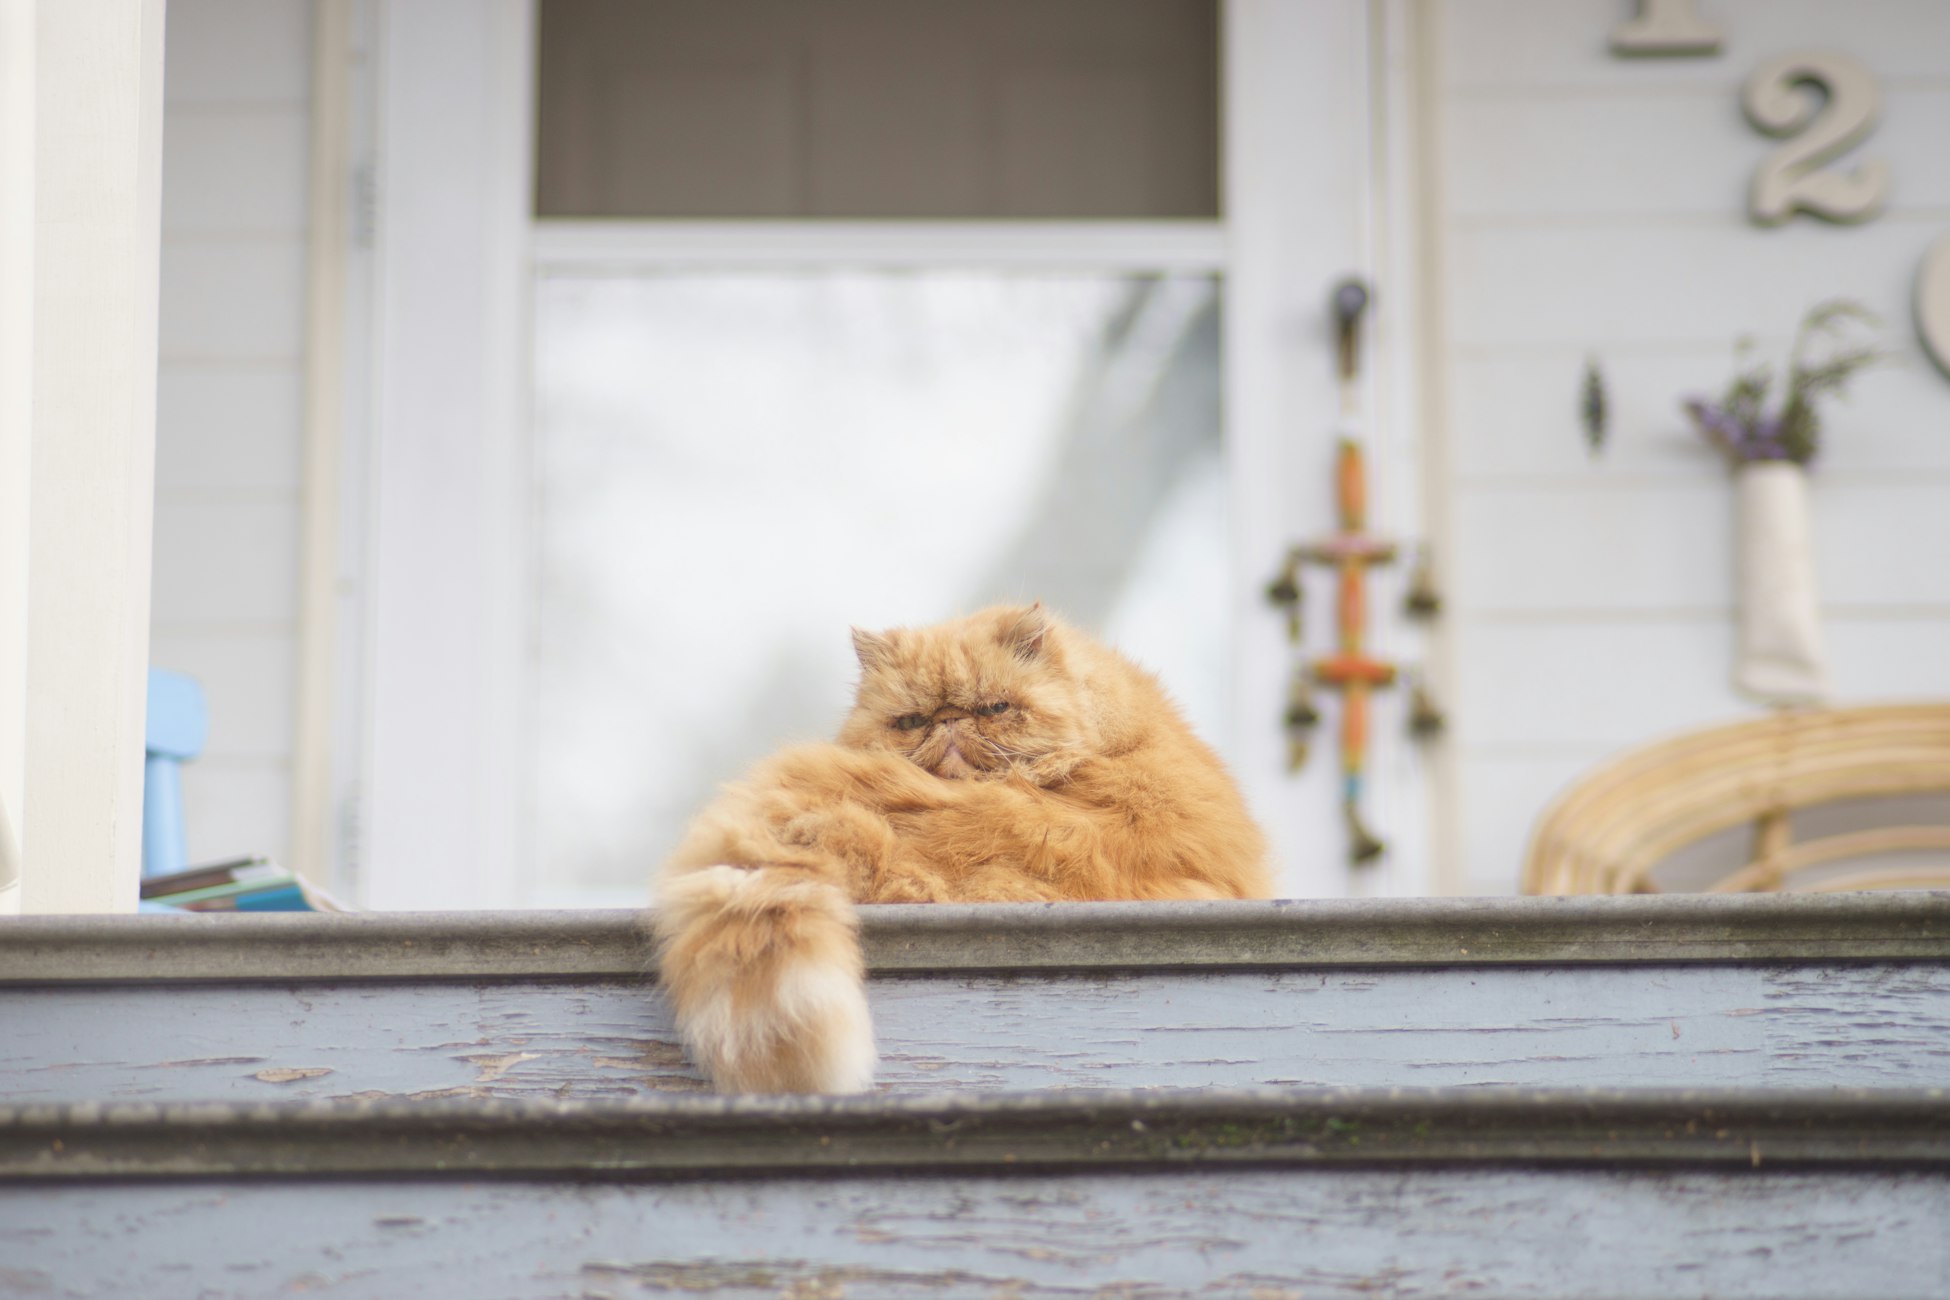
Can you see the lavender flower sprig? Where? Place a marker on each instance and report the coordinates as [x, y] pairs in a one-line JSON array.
[[1739, 423], [1739, 441]]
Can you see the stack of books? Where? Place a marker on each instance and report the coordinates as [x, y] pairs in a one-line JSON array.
[[243, 885]]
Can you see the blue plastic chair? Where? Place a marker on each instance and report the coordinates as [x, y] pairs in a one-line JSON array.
[[178, 725]]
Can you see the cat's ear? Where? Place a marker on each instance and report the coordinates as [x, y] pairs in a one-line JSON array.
[[1026, 631], [872, 648]]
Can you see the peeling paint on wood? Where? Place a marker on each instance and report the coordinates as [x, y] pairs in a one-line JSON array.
[[1614, 1026], [1243, 1234], [291, 1075]]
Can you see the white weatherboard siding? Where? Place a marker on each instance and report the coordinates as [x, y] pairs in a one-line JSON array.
[[1586, 205], [230, 402], [1595, 205]]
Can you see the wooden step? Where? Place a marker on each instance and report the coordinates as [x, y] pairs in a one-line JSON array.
[[1541, 1097], [1762, 991], [1262, 1193]]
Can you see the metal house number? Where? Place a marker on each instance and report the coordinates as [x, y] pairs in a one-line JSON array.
[[1824, 104], [1820, 127], [1933, 302], [1664, 29]]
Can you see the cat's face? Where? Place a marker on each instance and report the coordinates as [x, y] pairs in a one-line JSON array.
[[981, 697]]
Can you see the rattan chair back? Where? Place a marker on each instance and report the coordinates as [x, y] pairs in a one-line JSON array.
[[1607, 833]]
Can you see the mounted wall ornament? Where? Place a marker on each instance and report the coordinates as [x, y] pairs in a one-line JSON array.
[[1933, 303], [1665, 29], [1779, 656], [1594, 407], [1825, 103]]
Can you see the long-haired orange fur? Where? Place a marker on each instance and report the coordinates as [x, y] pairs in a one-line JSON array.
[[1002, 757]]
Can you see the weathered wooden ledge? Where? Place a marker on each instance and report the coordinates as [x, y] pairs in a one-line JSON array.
[[779, 1136], [1294, 933]]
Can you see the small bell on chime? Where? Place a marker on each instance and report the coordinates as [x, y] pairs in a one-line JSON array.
[[1423, 600], [1362, 846], [1425, 720], [1301, 718], [1285, 593]]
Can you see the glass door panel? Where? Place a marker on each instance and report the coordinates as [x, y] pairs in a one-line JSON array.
[[732, 468]]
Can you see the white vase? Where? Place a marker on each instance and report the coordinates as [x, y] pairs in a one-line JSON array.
[[1778, 656]]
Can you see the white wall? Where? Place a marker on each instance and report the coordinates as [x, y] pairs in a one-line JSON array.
[[1590, 205], [1596, 205], [230, 393]]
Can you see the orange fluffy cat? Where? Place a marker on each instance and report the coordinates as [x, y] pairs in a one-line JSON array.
[[1003, 757]]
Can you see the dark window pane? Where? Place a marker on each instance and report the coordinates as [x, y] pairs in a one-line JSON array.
[[878, 108]]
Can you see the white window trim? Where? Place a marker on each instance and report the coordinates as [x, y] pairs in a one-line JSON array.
[[1187, 246]]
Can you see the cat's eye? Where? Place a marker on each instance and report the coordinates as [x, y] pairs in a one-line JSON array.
[[909, 721], [990, 710]]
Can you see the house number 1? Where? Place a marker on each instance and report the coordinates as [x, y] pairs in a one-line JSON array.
[[1665, 28]]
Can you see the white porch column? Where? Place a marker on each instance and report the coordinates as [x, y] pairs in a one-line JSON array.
[[16, 410], [98, 68]]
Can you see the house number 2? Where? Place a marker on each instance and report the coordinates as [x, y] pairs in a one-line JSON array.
[[1825, 104], [1821, 127]]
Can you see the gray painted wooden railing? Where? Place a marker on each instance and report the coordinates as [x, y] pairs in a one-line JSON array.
[[1638, 1096]]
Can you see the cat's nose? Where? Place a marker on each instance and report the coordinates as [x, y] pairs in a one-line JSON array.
[[949, 713]]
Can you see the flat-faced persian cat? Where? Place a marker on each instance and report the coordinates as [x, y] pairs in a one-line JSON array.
[[1002, 757]]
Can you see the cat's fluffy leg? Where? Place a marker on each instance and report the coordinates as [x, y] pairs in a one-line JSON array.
[[763, 967]]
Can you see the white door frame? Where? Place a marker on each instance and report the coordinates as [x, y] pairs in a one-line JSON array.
[[1305, 205], [441, 508], [1304, 210]]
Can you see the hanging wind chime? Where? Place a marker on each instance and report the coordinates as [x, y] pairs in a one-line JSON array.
[[1351, 551]]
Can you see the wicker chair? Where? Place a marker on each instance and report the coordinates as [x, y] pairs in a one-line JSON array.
[[1607, 833]]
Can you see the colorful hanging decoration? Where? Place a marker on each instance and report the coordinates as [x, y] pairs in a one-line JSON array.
[[1351, 551]]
